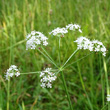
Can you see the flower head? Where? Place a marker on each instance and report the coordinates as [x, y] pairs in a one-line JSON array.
[[73, 27], [35, 38], [47, 77], [95, 45], [59, 31], [98, 46], [64, 30], [12, 71]]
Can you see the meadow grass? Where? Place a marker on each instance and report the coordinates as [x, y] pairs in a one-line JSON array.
[[86, 79]]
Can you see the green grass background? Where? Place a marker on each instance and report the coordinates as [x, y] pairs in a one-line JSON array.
[[19, 17]]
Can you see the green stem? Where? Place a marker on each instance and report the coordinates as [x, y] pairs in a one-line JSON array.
[[63, 79], [104, 106], [18, 43], [77, 61], [59, 51], [102, 80], [106, 76], [65, 86], [8, 94], [53, 70], [70, 57], [83, 86], [47, 58]]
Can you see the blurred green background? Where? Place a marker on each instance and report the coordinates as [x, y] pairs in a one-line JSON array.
[[19, 17]]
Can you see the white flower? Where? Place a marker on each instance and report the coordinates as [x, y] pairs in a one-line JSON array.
[[108, 97], [83, 43], [33, 33], [34, 39], [49, 85], [37, 41], [43, 85], [95, 45], [45, 43], [98, 46], [80, 30], [64, 30], [47, 77], [11, 72], [41, 74], [73, 27], [17, 74], [59, 31]]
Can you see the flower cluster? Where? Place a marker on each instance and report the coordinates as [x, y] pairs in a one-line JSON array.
[[95, 45], [73, 27], [11, 72], [47, 77], [59, 31], [108, 97], [64, 30], [34, 39]]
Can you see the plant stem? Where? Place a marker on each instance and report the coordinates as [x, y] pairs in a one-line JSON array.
[[8, 94], [63, 79], [65, 86], [47, 58], [59, 51], [102, 80], [70, 57], [18, 43], [106, 76], [83, 86], [77, 60], [104, 106], [53, 70], [105, 69]]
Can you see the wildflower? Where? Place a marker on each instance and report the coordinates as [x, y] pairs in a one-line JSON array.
[[59, 31], [47, 77], [34, 39], [84, 43], [108, 97], [95, 45], [64, 30], [12, 71], [98, 46], [74, 26]]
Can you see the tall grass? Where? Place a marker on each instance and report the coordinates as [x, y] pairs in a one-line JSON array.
[[86, 80]]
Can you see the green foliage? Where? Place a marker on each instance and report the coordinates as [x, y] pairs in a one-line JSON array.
[[19, 17]]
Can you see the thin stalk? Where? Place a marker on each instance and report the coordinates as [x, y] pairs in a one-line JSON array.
[[8, 94], [59, 51], [92, 80], [77, 60], [53, 70], [102, 81], [104, 106], [68, 96], [63, 79], [83, 86], [106, 76], [70, 57], [18, 43], [29, 73], [47, 58]]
